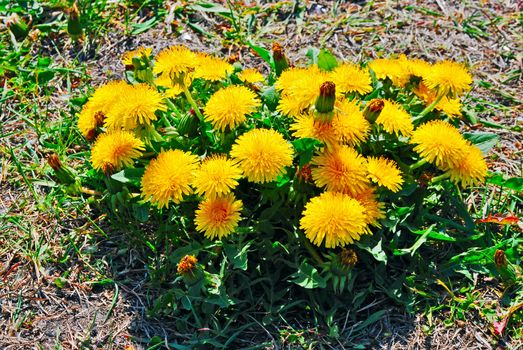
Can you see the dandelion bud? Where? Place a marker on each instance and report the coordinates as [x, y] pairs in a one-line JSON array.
[[500, 259], [325, 102], [304, 173], [373, 109], [18, 27], [74, 27], [62, 173], [348, 258], [188, 268], [188, 124], [280, 61]]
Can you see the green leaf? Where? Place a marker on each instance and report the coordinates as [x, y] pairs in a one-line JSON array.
[[326, 60], [305, 149], [484, 140], [437, 236], [376, 251], [131, 175], [308, 277], [140, 212], [513, 183], [263, 53], [237, 255], [138, 28], [312, 55], [419, 242]]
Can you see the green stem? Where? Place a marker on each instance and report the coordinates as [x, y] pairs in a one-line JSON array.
[[440, 178], [192, 102], [312, 251], [418, 164], [429, 108]]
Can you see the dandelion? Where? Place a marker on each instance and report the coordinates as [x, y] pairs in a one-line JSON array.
[[334, 218], [230, 106], [218, 217], [168, 177], [251, 76], [300, 88], [449, 106], [216, 176], [350, 123], [418, 67], [448, 78], [394, 69], [348, 258], [439, 143], [141, 51], [470, 169], [173, 88], [187, 265], [385, 173], [211, 68], [341, 169], [89, 120], [136, 107], [394, 119], [174, 61], [262, 154], [373, 208], [115, 150], [351, 78]]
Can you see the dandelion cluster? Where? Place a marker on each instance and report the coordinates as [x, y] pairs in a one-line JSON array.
[[345, 138]]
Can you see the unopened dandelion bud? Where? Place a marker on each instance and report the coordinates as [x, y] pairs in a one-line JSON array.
[[17, 27], [280, 60], [74, 26], [325, 102], [348, 258], [373, 109], [188, 124], [189, 269], [304, 173], [503, 267], [62, 173]]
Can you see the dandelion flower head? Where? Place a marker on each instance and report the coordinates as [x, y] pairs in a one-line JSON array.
[[218, 217], [141, 51], [394, 119], [351, 78], [168, 177], [211, 68], [230, 106], [251, 76], [471, 169], [448, 78], [115, 150], [385, 173], [262, 154], [216, 176], [174, 61], [333, 218]]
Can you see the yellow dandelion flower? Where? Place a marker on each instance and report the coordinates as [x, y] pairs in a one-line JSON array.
[[340, 169], [211, 68], [350, 123], [385, 173], [394, 119], [89, 120], [418, 67], [306, 126], [218, 217], [300, 87], [373, 208], [351, 78], [173, 89], [136, 107], [174, 60], [394, 69], [230, 106], [216, 176], [262, 154], [450, 106], [141, 51], [448, 78], [168, 177], [470, 169], [115, 150], [334, 218], [251, 76], [439, 143]]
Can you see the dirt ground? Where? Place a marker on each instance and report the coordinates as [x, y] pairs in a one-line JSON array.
[[35, 314]]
